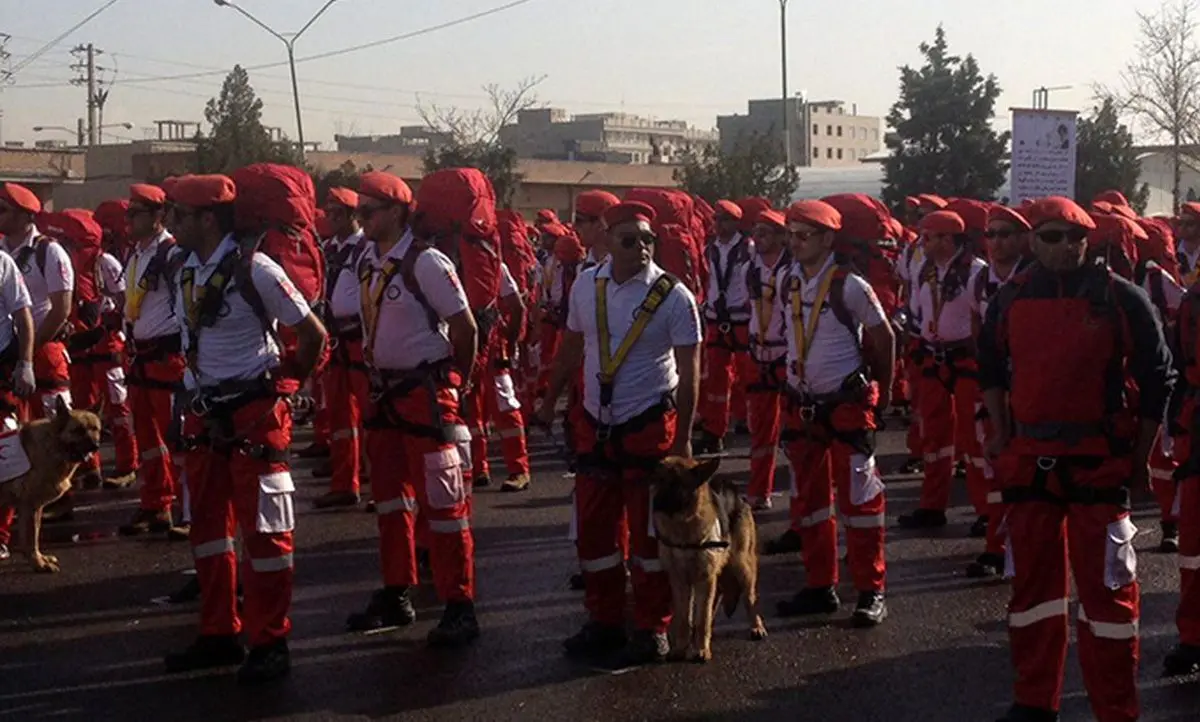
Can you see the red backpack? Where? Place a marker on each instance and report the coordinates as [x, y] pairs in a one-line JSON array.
[[678, 251], [516, 252]]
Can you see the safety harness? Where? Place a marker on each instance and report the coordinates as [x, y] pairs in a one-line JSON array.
[[1062, 467], [831, 291], [725, 322], [762, 295]]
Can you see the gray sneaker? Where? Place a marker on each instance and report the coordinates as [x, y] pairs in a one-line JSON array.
[[4, 552]]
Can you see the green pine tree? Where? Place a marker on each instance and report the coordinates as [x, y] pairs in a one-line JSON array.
[[236, 136], [943, 140], [1106, 158]]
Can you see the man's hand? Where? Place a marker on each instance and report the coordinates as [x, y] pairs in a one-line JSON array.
[[23, 382]]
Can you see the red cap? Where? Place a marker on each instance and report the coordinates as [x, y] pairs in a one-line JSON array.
[[75, 225], [772, 218], [111, 215], [202, 191], [815, 213], [929, 201], [629, 212], [730, 209], [384, 187], [342, 197], [595, 203], [1057, 208], [149, 194], [973, 213], [940, 222], [1004, 214], [18, 196], [1113, 197]]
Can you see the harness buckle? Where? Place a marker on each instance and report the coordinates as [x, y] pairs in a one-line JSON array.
[[724, 327], [808, 413], [603, 433], [1047, 463], [939, 356], [200, 405]]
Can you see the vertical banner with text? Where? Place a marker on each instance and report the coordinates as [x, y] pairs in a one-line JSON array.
[[1043, 153]]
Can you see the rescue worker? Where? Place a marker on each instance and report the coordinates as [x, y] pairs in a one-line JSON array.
[[635, 330], [1188, 252], [417, 369], [237, 431], [1007, 239], [589, 224], [558, 274], [727, 326], [947, 390], [154, 347], [839, 373], [768, 350], [1067, 445], [344, 385]]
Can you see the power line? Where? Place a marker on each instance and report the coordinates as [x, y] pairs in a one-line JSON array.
[[42, 50]]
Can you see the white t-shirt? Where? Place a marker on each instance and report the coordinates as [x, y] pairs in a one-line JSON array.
[[508, 286], [112, 276], [13, 296], [979, 297], [157, 317], [343, 299], [404, 339], [1172, 292], [954, 322], [649, 371], [737, 295], [775, 346], [911, 261], [235, 347], [834, 352], [554, 282], [58, 275]]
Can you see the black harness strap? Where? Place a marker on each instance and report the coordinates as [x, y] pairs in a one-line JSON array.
[[1062, 467]]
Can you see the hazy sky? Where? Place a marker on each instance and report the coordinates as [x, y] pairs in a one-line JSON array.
[[690, 59]]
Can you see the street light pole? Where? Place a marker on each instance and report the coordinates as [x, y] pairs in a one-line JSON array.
[[787, 116], [290, 44]]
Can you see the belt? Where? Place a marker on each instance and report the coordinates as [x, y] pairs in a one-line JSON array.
[[1070, 433], [156, 348], [389, 385], [943, 352], [1072, 493], [225, 397], [816, 412], [600, 461]]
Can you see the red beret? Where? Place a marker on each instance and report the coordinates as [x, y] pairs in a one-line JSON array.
[[751, 207], [815, 213], [74, 225], [863, 217], [629, 212], [1114, 197], [384, 187], [1102, 207], [772, 218], [111, 215], [730, 209], [1191, 208], [546, 216], [973, 213], [18, 196], [940, 222], [343, 197], [595, 203], [148, 194], [931, 202], [202, 191], [556, 229], [1057, 208], [1004, 214]]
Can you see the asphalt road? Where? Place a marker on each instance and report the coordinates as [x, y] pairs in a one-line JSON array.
[[86, 644]]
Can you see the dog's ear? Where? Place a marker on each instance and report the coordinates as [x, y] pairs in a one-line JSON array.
[[705, 470], [60, 407]]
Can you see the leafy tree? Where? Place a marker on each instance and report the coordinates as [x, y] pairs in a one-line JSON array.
[[943, 141], [237, 136], [344, 176], [754, 167], [1106, 158]]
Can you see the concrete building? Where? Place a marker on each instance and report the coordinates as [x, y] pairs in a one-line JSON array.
[[823, 134], [45, 171], [552, 134], [112, 168], [411, 140]]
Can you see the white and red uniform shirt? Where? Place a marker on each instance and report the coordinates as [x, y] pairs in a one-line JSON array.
[[344, 302], [13, 296], [508, 285], [554, 282], [649, 371], [235, 347], [403, 339], [983, 287], [737, 295], [908, 266], [112, 281], [57, 276], [773, 345], [1172, 292], [951, 321], [157, 316], [834, 351]]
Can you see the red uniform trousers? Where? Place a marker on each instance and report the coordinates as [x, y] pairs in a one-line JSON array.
[[98, 384], [726, 356], [612, 498], [995, 499], [154, 378], [763, 398], [832, 451], [345, 390], [946, 404], [549, 339], [1187, 506], [494, 400], [419, 451], [1045, 534], [243, 484]]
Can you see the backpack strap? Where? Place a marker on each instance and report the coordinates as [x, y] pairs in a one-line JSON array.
[[408, 274], [36, 251]]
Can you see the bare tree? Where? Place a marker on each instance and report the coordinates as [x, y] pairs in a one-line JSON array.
[[1161, 86]]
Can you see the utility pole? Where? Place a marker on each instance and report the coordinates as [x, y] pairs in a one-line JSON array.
[[87, 66], [783, 98]]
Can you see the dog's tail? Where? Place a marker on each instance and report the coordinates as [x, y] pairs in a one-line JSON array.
[[729, 589]]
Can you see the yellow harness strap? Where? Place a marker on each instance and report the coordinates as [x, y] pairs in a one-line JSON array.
[[802, 332], [135, 292], [766, 305], [371, 296], [610, 364]]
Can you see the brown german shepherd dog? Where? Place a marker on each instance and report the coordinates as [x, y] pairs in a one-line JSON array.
[[55, 447], [708, 544]]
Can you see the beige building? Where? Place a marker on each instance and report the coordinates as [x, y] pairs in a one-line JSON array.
[[823, 134], [44, 171], [552, 134]]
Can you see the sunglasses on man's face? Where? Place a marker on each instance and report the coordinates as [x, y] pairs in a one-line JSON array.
[[803, 235], [135, 212], [630, 240], [1075, 235], [367, 212], [991, 235]]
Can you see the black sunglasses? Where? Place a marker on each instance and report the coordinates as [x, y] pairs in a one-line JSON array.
[[999, 234], [632, 239], [366, 212], [1075, 235]]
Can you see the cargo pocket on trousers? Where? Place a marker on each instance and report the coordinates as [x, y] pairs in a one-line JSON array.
[[865, 482], [1120, 559], [444, 487], [276, 509], [506, 395], [118, 392]]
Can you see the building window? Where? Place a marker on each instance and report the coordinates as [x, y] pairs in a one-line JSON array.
[[816, 152], [829, 153], [853, 154], [816, 129], [839, 154], [829, 130], [839, 131]]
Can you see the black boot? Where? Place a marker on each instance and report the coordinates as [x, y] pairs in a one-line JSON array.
[[811, 600], [708, 443], [644, 647], [1170, 538], [960, 470], [1022, 713], [986, 566], [458, 627], [207, 652], [979, 528], [189, 592], [577, 583], [482, 481], [265, 663], [389, 607], [923, 519], [870, 611], [595, 641], [1183, 660], [788, 543]]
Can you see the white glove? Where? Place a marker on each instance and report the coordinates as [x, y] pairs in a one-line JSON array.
[[22, 381]]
